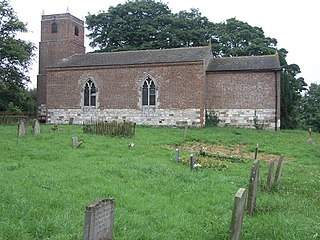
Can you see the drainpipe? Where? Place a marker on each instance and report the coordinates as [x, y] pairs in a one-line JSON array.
[[276, 104]]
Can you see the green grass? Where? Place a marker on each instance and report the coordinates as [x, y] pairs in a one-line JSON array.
[[45, 185]]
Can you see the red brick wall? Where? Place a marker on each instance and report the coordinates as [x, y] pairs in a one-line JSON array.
[[179, 86], [241, 90]]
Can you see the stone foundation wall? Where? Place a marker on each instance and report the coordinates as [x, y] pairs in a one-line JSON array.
[[155, 117], [248, 118]]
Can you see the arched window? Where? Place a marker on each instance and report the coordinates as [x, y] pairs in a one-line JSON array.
[[54, 27], [149, 93], [76, 30], [90, 94]]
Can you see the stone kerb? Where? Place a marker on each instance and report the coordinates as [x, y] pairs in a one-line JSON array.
[[99, 218]]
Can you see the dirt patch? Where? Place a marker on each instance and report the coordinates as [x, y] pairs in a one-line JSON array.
[[237, 150]]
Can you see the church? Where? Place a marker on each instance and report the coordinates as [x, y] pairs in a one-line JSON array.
[[165, 87]]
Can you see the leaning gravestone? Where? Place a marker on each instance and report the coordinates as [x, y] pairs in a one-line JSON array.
[[21, 129], [36, 127], [270, 174], [253, 187], [279, 170], [99, 218], [237, 214]]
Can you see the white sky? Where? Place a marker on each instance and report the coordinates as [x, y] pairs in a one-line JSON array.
[[294, 23]]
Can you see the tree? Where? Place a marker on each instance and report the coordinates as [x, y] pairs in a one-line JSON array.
[[236, 38], [311, 107], [16, 57], [146, 24], [292, 88]]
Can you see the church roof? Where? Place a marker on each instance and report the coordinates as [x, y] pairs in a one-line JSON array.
[[190, 54], [245, 63]]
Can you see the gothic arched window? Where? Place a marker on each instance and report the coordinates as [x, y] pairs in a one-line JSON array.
[[54, 27], [90, 94], [149, 93]]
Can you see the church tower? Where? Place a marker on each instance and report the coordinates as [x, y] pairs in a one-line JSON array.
[[62, 35]]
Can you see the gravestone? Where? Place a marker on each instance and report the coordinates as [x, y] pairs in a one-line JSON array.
[[310, 141], [253, 187], [36, 127], [256, 152], [238, 214], [270, 174], [279, 170], [192, 161], [177, 155], [185, 132], [99, 218], [76, 143], [21, 129]]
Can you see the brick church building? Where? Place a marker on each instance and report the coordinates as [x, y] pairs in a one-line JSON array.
[[166, 87]]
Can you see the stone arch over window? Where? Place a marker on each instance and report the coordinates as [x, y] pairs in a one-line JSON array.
[[149, 92], [90, 94], [54, 27], [76, 30]]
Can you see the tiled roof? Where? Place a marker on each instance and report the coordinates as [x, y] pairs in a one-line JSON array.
[[189, 54], [246, 63]]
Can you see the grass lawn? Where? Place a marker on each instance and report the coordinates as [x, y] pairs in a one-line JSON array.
[[45, 184]]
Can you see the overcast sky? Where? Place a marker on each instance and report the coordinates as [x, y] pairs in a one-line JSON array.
[[295, 23]]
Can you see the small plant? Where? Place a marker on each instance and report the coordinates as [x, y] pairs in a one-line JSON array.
[[257, 123], [212, 119]]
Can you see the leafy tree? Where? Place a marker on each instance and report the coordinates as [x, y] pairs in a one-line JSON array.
[[236, 38], [15, 58], [146, 24], [291, 92], [311, 107]]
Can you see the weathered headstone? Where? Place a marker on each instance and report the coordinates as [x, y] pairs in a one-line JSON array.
[[279, 170], [192, 161], [256, 152], [310, 141], [177, 155], [185, 132], [21, 129], [36, 127], [253, 187], [75, 142], [270, 175], [99, 218], [238, 214]]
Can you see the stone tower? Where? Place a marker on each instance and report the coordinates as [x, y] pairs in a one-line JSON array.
[[62, 35]]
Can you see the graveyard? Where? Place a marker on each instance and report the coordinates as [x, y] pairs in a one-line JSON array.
[[259, 184]]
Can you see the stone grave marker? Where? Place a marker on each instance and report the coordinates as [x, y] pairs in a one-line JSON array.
[[192, 161], [238, 214], [21, 129], [310, 141], [76, 143], [270, 174], [256, 152], [253, 187], [36, 127], [177, 155], [279, 170], [185, 132], [99, 218]]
